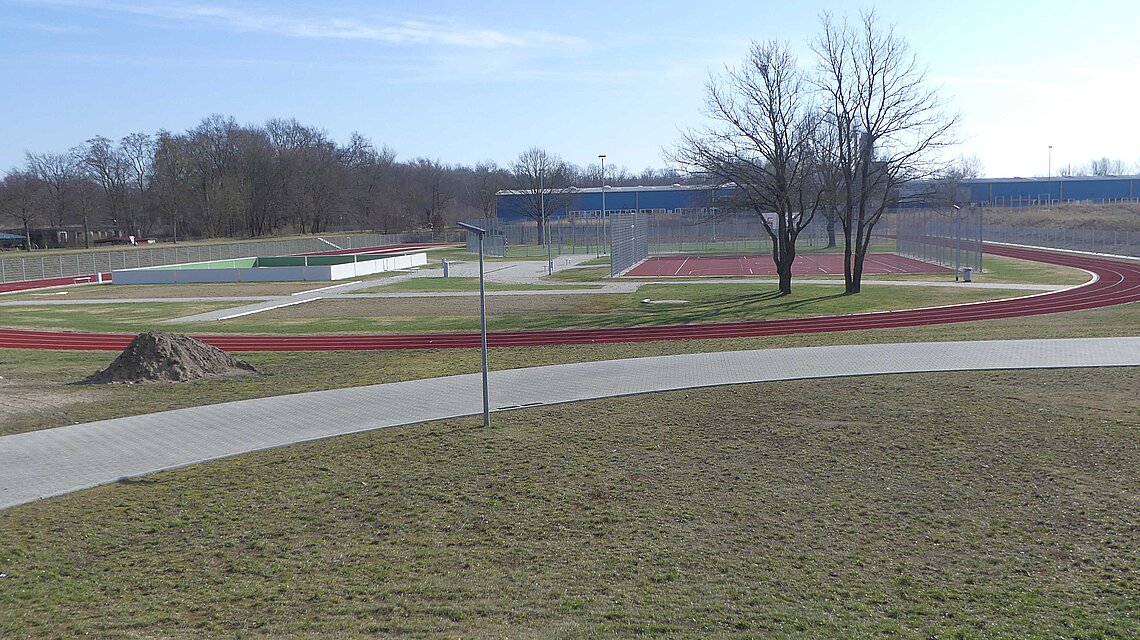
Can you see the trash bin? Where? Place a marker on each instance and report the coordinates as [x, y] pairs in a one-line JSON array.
[[967, 274], [446, 268]]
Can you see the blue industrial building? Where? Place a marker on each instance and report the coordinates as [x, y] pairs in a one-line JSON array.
[[1016, 192], [587, 202], [696, 199]]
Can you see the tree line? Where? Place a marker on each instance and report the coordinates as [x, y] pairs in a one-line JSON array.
[[225, 179]]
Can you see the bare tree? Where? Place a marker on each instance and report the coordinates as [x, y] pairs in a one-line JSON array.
[[1107, 167], [60, 173], [107, 167], [21, 198], [888, 126], [762, 140], [545, 181], [137, 151], [947, 187], [486, 179]]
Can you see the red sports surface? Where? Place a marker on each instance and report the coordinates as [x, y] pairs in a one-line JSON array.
[[805, 265]]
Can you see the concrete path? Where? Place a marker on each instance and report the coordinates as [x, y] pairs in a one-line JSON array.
[[56, 461]]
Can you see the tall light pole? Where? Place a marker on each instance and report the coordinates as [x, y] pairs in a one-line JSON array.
[[482, 320], [1049, 173], [602, 221], [545, 226], [958, 243]]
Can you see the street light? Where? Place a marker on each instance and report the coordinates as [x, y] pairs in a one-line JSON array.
[[602, 220], [546, 226], [1049, 173], [958, 244], [482, 320]]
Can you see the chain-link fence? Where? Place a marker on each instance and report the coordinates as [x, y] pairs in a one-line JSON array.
[[1119, 243], [629, 241], [494, 242], [669, 233], [79, 264], [947, 237]]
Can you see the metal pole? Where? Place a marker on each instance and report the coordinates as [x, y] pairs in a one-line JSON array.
[[598, 226], [545, 226], [483, 334], [958, 241], [482, 320]]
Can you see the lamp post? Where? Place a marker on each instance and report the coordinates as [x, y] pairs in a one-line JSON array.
[[545, 226], [958, 243], [1049, 173], [482, 320], [602, 220]]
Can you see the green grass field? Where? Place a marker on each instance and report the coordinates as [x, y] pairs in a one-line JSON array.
[[851, 508]]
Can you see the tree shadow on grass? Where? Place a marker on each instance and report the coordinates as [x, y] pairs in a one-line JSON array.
[[739, 308]]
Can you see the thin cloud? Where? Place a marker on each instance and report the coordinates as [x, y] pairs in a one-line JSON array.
[[44, 27], [438, 32]]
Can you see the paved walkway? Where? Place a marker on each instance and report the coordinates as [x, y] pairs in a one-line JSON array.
[[56, 461]]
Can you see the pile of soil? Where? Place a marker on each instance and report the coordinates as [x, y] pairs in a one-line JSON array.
[[170, 357]]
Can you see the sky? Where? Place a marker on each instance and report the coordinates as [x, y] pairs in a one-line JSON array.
[[464, 81]]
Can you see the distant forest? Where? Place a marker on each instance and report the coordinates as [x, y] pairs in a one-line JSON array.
[[224, 179]]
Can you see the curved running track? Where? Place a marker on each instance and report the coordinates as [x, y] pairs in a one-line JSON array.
[[1117, 282]]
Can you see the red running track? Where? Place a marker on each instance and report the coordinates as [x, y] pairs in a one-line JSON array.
[[1118, 282]]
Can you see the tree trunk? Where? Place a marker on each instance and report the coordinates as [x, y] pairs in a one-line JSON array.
[[785, 280], [857, 274], [830, 233]]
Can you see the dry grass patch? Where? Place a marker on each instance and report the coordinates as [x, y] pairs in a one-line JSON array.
[[857, 508], [1123, 216]]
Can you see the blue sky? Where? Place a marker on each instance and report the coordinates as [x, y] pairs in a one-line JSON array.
[[468, 81]]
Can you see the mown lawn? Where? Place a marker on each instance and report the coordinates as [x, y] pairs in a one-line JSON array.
[[852, 508]]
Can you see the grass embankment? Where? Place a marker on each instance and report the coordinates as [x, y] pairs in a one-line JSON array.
[[1124, 216], [857, 508], [39, 394]]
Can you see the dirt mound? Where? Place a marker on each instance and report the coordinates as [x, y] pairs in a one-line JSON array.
[[170, 357]]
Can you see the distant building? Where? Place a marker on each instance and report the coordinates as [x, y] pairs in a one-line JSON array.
[[689, 200]]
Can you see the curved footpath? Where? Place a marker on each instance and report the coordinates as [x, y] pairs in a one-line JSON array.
[[1116, 282], [51, 462]]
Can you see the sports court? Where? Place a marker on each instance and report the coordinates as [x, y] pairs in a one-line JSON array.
[[761, 265]]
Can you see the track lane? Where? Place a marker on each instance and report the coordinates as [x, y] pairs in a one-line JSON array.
[[1117, 282]]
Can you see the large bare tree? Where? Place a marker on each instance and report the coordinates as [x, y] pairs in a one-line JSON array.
[[762, 139], [886, 124], [60, 174], [21, 198], [544, 178]]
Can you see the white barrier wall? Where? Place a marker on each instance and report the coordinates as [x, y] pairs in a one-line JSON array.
[[320, 273]]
